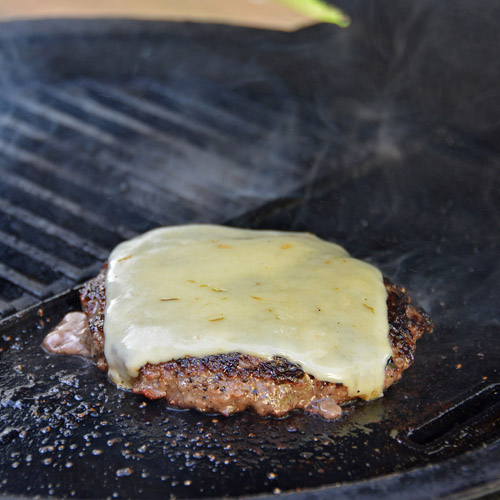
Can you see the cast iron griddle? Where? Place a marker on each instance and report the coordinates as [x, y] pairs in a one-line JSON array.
[[67, 429], [385, 136]]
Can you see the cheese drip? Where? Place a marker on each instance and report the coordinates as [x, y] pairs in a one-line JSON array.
[[198, 290]]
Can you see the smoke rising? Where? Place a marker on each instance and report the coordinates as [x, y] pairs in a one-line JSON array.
[[395, 118]]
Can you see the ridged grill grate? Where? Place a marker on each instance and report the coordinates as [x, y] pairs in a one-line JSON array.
[[86, 164]]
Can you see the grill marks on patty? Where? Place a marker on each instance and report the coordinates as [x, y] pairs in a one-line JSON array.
[[229, 383]]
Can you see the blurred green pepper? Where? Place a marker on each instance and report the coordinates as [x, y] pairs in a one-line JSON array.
[[319, 10]]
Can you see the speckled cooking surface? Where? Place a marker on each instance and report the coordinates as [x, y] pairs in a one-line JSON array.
[[68, 423]]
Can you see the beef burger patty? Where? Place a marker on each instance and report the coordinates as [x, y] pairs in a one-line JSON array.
[[230, 383]]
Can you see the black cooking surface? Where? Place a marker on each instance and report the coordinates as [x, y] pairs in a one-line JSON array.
[[382, 138]]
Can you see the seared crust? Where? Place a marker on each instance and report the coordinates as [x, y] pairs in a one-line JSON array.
[[93, 299], [189, 383], [406, 325], [229, 383]]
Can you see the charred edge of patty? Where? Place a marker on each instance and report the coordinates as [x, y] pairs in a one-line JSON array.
[[406, 325], [93, 300], [191, 385]]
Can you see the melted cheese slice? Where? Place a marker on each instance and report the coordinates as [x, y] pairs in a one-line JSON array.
[[198, 290]]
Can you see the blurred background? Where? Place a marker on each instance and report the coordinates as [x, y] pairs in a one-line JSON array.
[[258, 13]]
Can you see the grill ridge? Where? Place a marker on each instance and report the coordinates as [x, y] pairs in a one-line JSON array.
[[86, 164], [52, 230]]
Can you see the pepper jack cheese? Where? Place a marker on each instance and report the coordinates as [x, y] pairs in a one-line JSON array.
[[198, 290]]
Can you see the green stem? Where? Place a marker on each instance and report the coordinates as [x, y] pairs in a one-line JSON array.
[[319, 10]]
